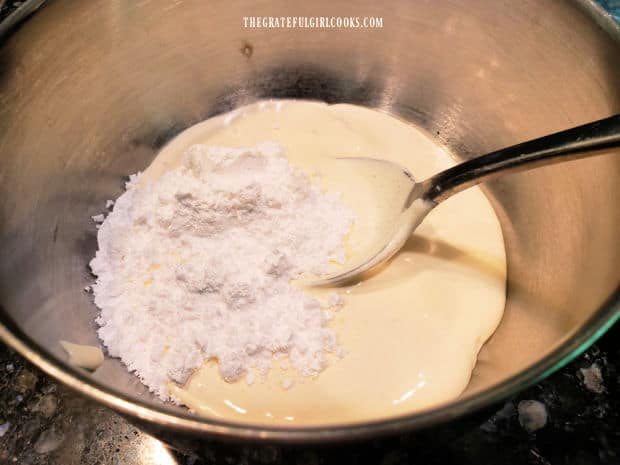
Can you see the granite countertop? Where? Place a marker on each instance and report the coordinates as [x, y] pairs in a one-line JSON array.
[[42, 422], [572, 417]]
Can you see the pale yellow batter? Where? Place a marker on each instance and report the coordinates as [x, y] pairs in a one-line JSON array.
[[83, 356], [412, 331]]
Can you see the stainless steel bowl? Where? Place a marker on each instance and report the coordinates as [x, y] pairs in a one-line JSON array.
[[90, 90]]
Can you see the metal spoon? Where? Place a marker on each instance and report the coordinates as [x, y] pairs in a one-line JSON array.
[[582, 141]]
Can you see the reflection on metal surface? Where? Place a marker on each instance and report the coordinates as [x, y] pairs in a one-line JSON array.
[[21, 12], [153, 452], [612, 6]]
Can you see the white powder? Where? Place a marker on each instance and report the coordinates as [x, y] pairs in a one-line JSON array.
[[197, 265]]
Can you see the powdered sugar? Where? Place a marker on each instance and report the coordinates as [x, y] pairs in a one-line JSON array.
[[197, 265]]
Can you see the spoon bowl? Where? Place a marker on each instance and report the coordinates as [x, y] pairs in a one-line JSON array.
[[421, 197], [399, 222]]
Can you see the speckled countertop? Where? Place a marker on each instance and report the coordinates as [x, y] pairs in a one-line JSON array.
[[572, 417], [42, 422]]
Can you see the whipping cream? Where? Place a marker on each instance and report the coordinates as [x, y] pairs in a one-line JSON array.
[[83, 356], [409, 334]]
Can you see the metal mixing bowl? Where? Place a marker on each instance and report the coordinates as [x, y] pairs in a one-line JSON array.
[[90, 90]]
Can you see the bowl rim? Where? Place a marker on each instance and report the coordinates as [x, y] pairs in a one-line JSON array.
[[185, 422], [192, 424]]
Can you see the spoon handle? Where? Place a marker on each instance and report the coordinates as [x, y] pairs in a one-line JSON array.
[[571, 144]]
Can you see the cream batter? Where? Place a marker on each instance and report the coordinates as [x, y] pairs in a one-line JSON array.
[[83, 356], [412, 331]]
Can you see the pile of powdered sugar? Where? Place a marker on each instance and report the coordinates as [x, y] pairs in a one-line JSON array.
[[197, 265]]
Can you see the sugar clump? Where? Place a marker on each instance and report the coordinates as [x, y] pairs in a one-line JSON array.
[[198, 264]]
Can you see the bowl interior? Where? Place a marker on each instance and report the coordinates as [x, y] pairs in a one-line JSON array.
[[90, 91]]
